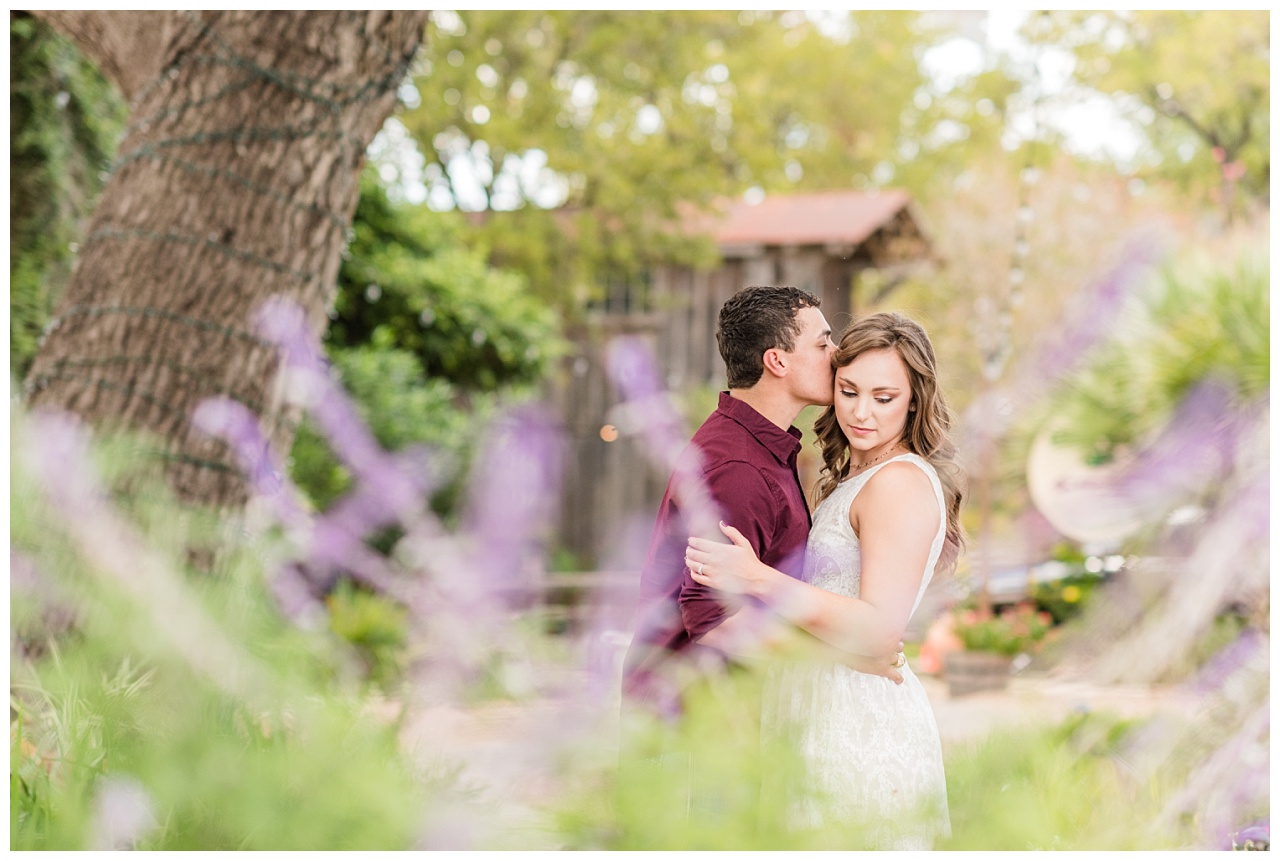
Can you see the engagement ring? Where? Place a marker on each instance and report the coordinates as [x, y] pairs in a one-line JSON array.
[[899, 662]]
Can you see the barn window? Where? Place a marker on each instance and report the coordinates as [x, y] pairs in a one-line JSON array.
[[623, 294]]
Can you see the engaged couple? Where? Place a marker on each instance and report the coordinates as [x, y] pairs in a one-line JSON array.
[[849, 577]]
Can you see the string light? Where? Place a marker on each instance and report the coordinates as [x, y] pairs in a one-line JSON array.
[[162, 313], [41, 381], [252, 403], [103, 233], [249, 185], [191, 460]]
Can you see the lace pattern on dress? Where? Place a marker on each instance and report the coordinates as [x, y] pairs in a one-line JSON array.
[[872, 750]]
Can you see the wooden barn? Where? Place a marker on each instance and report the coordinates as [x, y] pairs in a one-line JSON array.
[[849, 248]]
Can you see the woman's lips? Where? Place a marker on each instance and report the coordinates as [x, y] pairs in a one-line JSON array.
[[860, 431]]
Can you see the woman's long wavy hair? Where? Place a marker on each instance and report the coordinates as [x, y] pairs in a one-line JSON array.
[[928, 425]]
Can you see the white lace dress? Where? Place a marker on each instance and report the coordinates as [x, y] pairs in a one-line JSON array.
[[871, 749]]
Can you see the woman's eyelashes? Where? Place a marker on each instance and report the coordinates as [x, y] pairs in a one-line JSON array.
[[883, 399]]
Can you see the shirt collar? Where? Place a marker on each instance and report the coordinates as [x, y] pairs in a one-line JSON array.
[[782, 444]]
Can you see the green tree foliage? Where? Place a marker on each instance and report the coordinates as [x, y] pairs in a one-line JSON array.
[[1196, 82], [408, 282], [623, 117], [64, 124], [427, 338]]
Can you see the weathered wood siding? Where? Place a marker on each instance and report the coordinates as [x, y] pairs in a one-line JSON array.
[[608, 483]]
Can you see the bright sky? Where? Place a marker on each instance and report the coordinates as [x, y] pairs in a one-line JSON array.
[[1091, 122]]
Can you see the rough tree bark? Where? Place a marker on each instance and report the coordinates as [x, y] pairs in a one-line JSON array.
[[236, 181]]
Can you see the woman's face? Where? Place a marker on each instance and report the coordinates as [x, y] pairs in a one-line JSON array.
[[872, 399]]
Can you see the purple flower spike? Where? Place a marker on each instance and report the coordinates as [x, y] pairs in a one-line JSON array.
[[334, 551], [1250, 647], [372, 505], [398, 491], [646, 407], [297, 598], [23, 574], [234, 422], [632, 368], [284, 323], [238, 426], [123, 814], [515, 488], [61, 458], [1094, 313], [58, 452], [1255, 837], [332, 547], [1195, 447], [647, 410]]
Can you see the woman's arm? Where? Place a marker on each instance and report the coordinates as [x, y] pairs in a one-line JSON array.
[[763, 637], [895, 517]]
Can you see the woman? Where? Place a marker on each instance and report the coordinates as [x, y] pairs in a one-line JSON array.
[[887, 519]]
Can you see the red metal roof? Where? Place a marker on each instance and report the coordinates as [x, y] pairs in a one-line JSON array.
[[803, 219]]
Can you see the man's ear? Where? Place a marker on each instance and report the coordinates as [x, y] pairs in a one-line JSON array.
[[775, 363]]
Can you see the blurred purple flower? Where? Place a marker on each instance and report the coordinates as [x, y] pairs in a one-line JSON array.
[[57, 608], [235, 423], [1196, 446], [1235, 777], [1250, 647], [365, 508], [123, 814], [1090, 319], [632, 368], [58, 449], [1095, 311], [1255, 837], [295, 585], [23, 575], [307, 372], [647, 410], [298, 597], [451, 589], [515, 486], [390, 489], [334, 551]]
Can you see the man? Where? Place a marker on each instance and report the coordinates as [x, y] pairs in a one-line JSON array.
[[776, 345]]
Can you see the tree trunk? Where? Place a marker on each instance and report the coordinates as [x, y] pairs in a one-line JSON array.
[[236, 181]]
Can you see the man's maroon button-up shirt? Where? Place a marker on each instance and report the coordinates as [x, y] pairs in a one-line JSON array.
[[748, 466]]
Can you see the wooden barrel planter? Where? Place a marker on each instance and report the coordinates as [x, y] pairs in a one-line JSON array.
[[973, 672]]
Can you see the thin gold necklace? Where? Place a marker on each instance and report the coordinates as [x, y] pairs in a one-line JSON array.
[[875, 460]]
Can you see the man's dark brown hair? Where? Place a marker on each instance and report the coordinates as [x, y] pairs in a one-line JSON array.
[[754, 320]]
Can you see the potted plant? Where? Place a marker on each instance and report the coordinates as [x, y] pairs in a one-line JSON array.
[[989, 644]]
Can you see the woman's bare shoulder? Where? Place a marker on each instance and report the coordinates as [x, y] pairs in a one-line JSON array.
[[899, 482]]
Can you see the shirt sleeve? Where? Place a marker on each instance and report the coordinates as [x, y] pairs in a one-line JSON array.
[[747, 503]]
